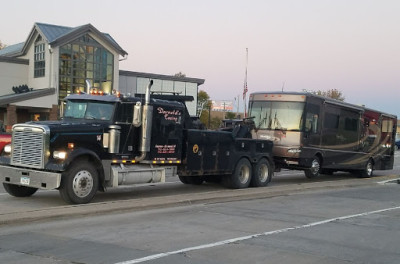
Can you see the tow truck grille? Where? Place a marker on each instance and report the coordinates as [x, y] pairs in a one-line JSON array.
[[29, 146]]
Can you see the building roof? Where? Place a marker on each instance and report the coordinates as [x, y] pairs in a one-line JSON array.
[[12, 49], [53, 32], [58, 35], [161, 77]]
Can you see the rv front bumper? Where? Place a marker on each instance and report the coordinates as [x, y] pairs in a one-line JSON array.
[[293, 163], [30, 178]]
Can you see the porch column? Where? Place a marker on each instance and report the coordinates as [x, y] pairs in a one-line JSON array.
[[11, 117], [53, 112]]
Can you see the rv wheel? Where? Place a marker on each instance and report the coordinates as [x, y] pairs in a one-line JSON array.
[[367, 171], [315, 168]]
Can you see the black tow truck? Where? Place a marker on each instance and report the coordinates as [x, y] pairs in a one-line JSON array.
[[107, 141]]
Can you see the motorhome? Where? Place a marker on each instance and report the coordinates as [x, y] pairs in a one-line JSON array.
[[322, 135]]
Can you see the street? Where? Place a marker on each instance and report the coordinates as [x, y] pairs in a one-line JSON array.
[[332, 219]]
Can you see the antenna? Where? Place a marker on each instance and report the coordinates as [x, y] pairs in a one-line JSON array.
[[283, 85]]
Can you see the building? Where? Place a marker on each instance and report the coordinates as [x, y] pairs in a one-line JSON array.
[[55, 61], [398, 129], [136, 82]]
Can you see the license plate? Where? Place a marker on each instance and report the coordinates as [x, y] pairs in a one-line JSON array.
[[25, 180]]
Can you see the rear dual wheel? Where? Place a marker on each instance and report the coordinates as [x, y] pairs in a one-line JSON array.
[[195, 180], [262, 173], [241, 176]]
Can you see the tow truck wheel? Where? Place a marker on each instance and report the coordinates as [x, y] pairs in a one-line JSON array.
[[367, 171], [241, 176], [262, 173], [184, 179], [19, 191], [79, 183], [195, 180], [315, 169]]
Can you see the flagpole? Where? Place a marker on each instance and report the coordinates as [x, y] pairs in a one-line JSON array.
[[245, 84]]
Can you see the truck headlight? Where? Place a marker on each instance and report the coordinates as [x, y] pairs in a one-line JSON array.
[[59, 155], [7, 149]]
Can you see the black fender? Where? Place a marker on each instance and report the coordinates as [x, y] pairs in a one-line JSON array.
[[82, 152], [76, 154]]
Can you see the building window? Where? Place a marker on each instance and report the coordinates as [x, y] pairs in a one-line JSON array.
[[39, 59], [85, 59]]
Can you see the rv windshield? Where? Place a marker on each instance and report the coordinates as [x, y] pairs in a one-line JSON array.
[[277, 115], [89, 110]]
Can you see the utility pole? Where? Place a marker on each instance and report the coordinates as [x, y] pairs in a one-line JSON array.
[[245, 83], [237, 109]]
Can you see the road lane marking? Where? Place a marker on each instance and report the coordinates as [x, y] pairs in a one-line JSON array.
[[392, 181], [243, 238]]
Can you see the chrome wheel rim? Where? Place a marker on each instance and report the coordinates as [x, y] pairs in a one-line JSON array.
[[244, 174], [315, 166], [263, 173], [369, 168], [82, 183]]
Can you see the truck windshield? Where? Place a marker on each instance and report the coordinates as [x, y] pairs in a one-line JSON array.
[[91, 110], [277, 115]]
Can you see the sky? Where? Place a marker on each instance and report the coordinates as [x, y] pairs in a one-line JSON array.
[[349, 45]]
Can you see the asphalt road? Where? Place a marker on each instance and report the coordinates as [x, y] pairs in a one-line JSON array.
[[334, 219]]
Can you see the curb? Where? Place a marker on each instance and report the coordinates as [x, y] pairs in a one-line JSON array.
[[219, 196]]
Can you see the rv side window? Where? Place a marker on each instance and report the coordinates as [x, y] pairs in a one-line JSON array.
[[387, 126], [351, 124], [311, 123], [330, 129], [348, 132], [331, 121], [312, 118]]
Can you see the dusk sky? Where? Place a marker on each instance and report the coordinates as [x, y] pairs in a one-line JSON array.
[[349, 45]]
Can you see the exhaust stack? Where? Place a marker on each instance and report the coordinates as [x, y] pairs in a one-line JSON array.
[[147, 116], [88, 86]]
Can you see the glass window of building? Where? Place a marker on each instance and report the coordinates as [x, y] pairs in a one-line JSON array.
[[39, 58], [85, 59]]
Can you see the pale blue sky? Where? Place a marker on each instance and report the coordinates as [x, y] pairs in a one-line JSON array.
[[349, 45]]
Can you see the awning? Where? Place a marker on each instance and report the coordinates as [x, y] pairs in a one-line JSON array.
[[18, 97]]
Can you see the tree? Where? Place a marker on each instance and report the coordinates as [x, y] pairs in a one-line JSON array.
[[215, 123], [2, 46], [203, 99], [230, 115], [180, 75], [332, 93], [203, 96]]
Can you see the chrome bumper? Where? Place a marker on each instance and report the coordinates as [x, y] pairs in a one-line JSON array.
[[30, 178]]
